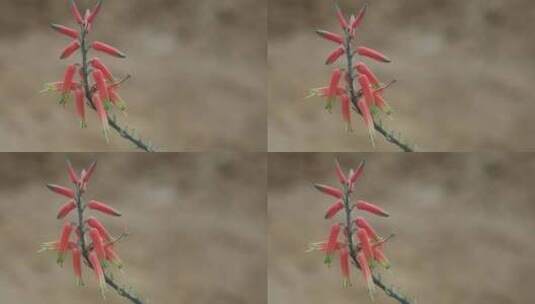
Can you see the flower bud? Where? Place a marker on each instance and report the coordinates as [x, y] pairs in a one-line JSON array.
[[94, 223], [329, 190], [61, 190], [65, 209], [346, 112], [80, 106], [330, 36], [113, 257], [99, 206], [340, 173], [366, 272], [102, 115], [364, 70], [381, 103], [100, 83], [333, 209], [373, 54], [380, 257], [353, 178], [75, 12], [358, 19], [334, 55], [67, 31], [70, 49], [99, 65], [365, 206], [366, 89], [89, 172], [340, 16], [367, 117], [94, 13], [105, 48]]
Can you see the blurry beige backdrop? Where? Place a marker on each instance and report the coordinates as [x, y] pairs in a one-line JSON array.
[[463, 226], [196, 224], [465, 74], [198, 74]]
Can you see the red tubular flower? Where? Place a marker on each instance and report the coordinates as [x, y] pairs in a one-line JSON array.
[[364, 70], [340, 173], [64, 241], [100, 82], [344, 266], [340, 16], [67, 31], [365, 206], [75, 12], [72, 174], [65, 209], [358, 20], [333, 88], [380, 257], [367, 117], [70, 49], [98, 243], [354, 177], [105, 48], [366, 89], [366, 272], [102, 115], [373, 54], [332, 243], [381, 103], [68, 78], [362, 223], [116, 99], [99, 206], [332, 191], [99, 65], [96, 224], [330, 36], [95, 12], [97, 268], [80, 105], [61, 190], [334, 55], [113, 257], [346, 112], [333, 209], [364, 241], [77, 265]]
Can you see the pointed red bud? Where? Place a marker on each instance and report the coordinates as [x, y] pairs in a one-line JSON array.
[[67, 31], [373, 54], [332, 243], [77, 265], [346, 112], [367, 117], [108, 49], [64, 241], [369, 207], [366, 89], [344, 266], [72, 173], [94, 13], [94, 223], [99, 206], [358, 19], [332, 191], [75, 12], [363, 69], [340, 16], [98, 64], [354, 177], [61, 190], [363, 224], [334, 209], [80, 105], [98, 243], [330, 36], [334, 55], [102, 88], [340, 173], [70, 49], [65, 209]]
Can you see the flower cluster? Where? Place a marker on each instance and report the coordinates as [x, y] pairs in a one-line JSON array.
[[368, 99], [353, 238], [101, 92], [87, 239]]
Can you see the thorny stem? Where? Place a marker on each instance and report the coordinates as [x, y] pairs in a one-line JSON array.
[[389, 291], [354, 96], [85, 251], [123, 132]]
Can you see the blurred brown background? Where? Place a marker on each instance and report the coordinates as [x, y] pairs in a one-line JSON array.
[[198, 72], [463, 226], [196, 224], [465, 72]]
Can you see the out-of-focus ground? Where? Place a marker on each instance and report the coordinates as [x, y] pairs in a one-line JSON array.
[[196, 223], [198, 69], [463, 226], [465, 74]]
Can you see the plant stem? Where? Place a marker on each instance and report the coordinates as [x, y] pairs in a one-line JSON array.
[[123, 132], [389, 291], [354, 96], [85, 252]]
